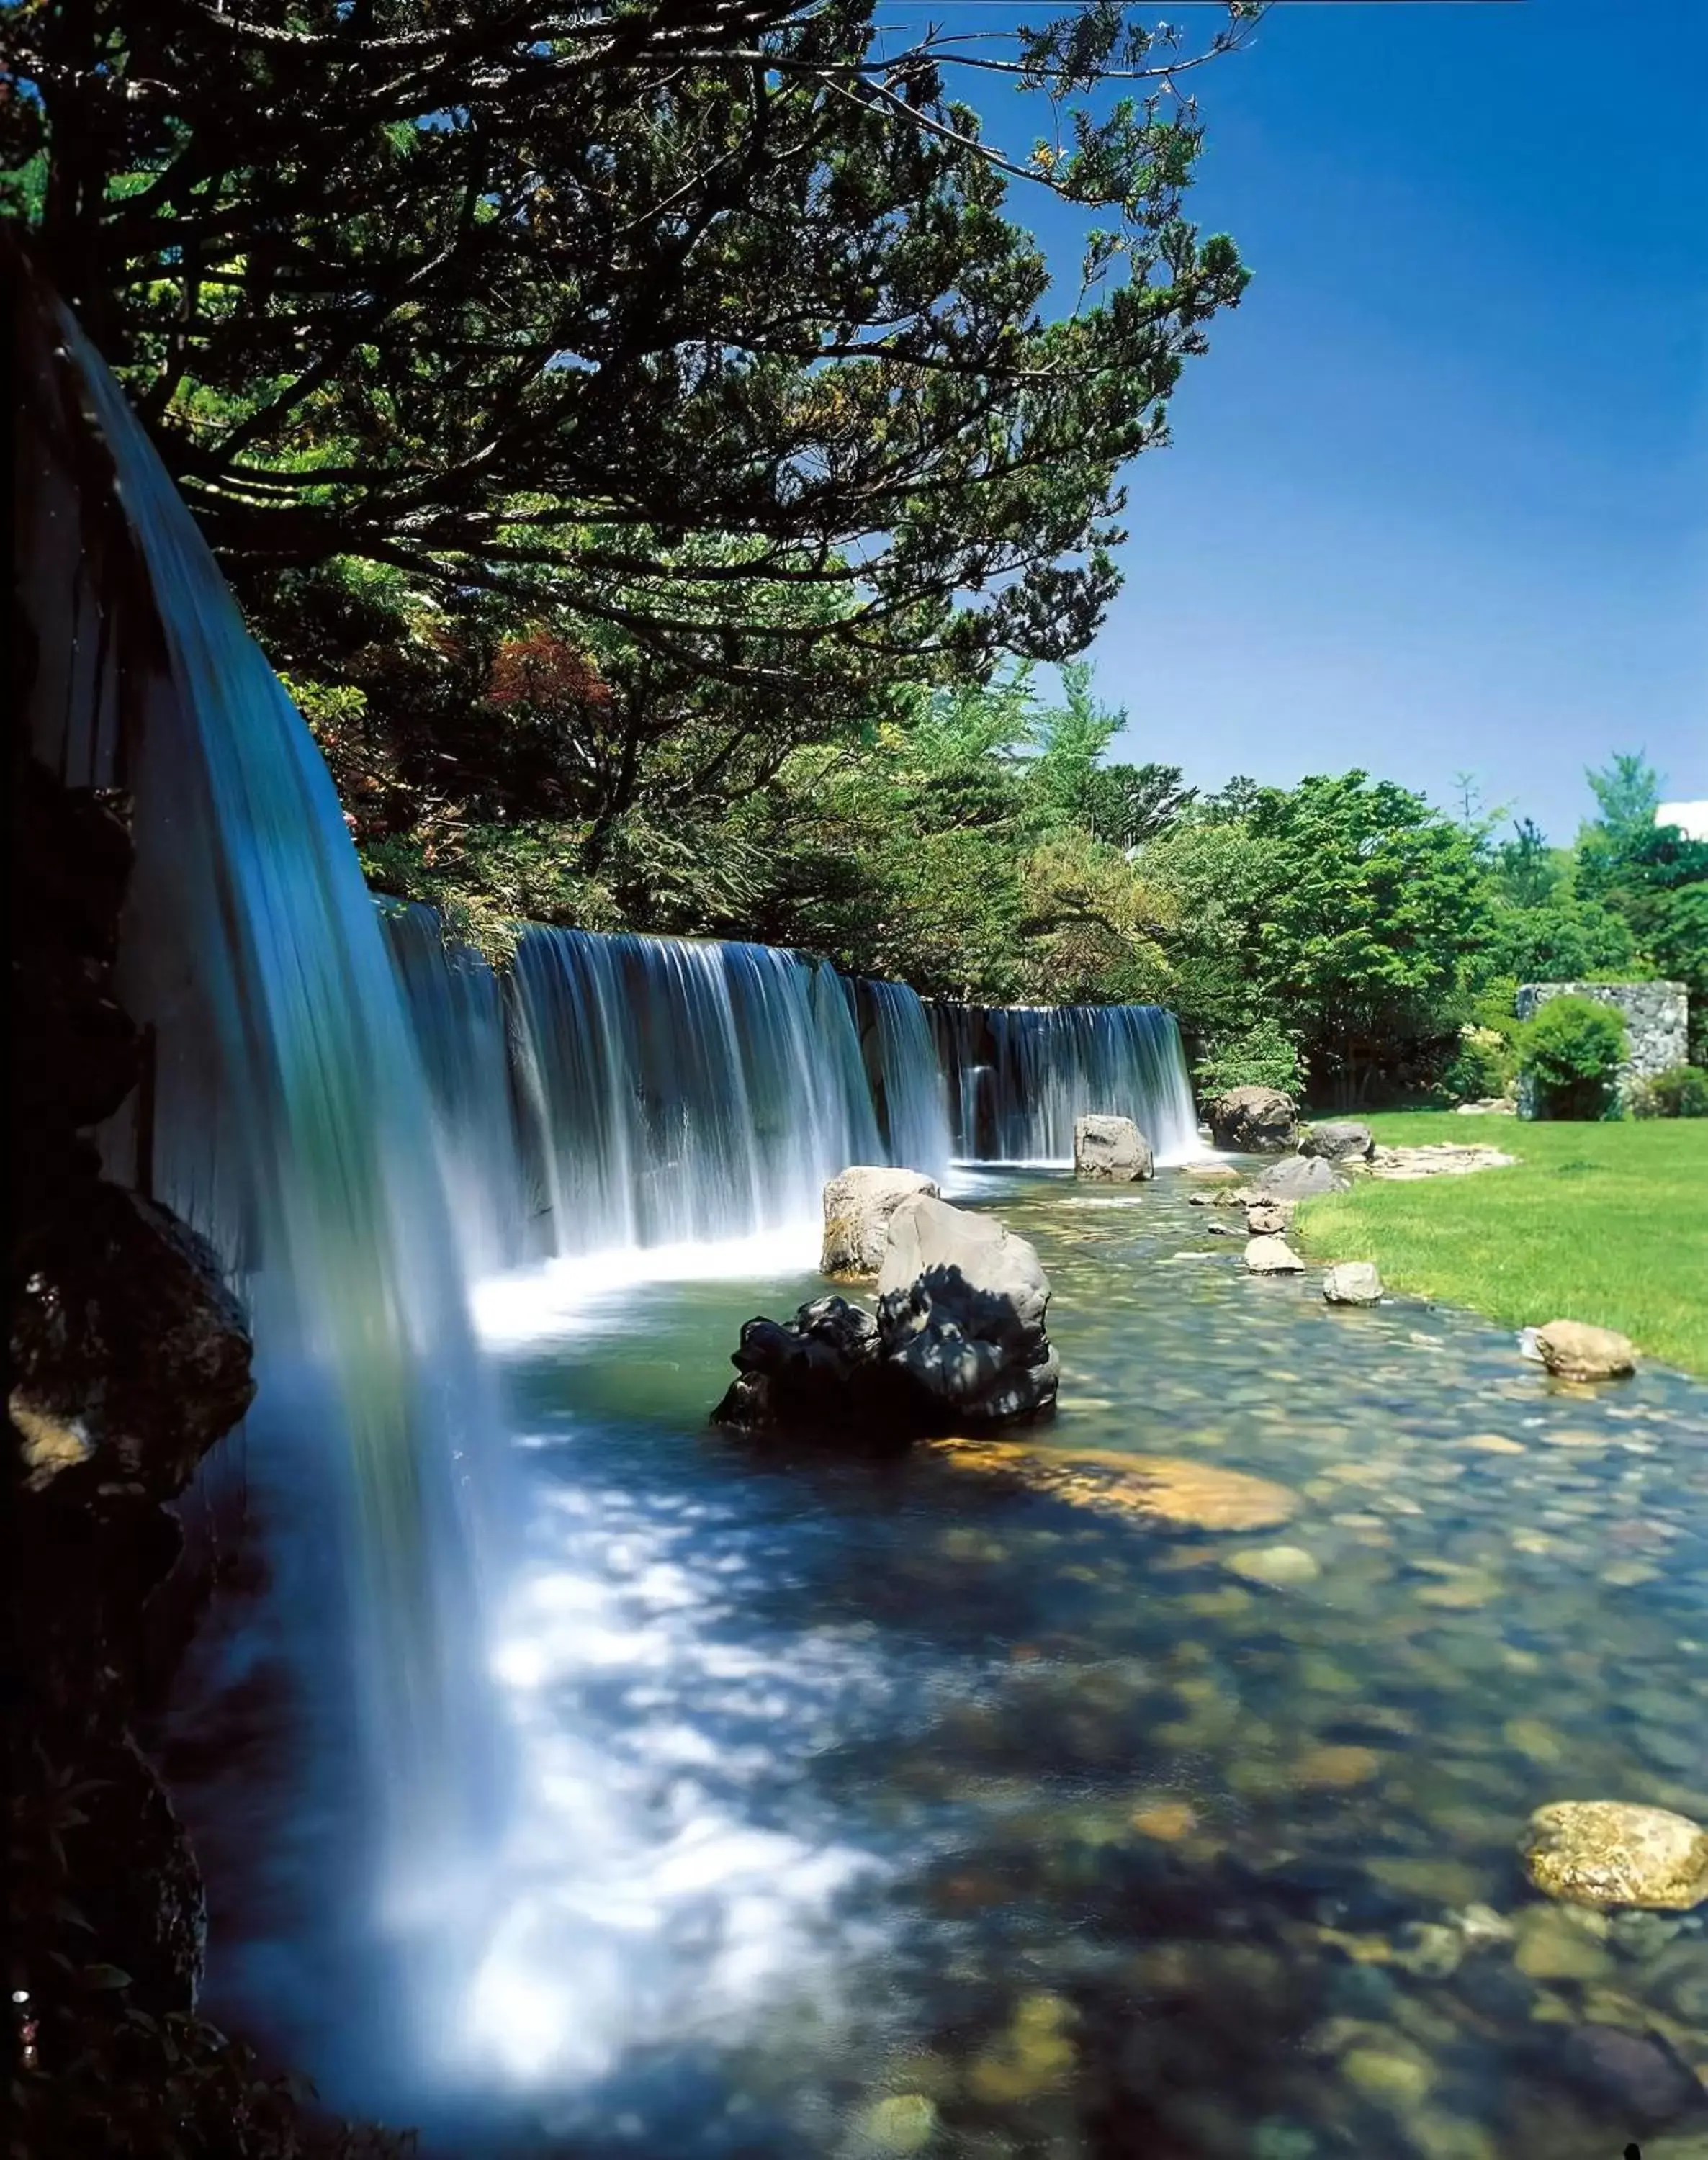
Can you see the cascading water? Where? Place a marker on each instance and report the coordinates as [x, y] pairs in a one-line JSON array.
[[912, 1096], [290, 1122], [1020, 1075], [682, 1091], [457, 1006], [629, 1095]]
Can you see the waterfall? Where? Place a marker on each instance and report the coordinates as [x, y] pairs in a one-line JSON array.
[[682, 1091], [290, 1122], [1020, 1075], [620, 1094], [909, 1084], [457, 1008]]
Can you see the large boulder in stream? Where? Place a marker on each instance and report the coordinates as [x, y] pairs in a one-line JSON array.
[[958, 1342], [960, 1305], [1255, 1121], [1111, 1149], [858, 1206]]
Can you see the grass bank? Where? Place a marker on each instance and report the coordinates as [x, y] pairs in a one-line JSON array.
[[1605, 1223]]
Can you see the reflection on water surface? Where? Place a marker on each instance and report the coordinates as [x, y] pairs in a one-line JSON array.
[[876, 1809]]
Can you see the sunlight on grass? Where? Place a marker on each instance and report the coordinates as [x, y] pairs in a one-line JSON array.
[[1605, 1223]]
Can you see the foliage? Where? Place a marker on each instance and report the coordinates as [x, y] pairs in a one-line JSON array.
[[1571, 1052], [1344, 912], [1482, 1068], [1562, 939], [1628, 794], [1263, 1057], [711, 318], [1620, 1242], [1680, 1091]]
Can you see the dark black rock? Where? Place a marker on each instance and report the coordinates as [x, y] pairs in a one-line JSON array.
[[958, 1343], [123, 1326]]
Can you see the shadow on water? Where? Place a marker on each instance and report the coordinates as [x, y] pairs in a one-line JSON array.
[[872, 1809]]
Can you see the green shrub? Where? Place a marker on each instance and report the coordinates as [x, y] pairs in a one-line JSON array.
[[1481, 1066], [1571, 1052], [1680, 1091], [1261, 1057]]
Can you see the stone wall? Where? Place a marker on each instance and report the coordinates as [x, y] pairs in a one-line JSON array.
[[1656, 1017]]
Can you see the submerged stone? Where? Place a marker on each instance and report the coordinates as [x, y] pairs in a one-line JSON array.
[[1333, 1768], [1170, 1492], [1608, 1852], [904, 2123], [1634, 2074], [1277, 1567]]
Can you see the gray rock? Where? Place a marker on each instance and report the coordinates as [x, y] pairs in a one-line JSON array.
[[1255, 1121], [961, 1304], [1298, 1176], [1112, 1149], [1339, 1140], [1272, 1256], [1353, 1282], [858, 1205], [1267, 1218]]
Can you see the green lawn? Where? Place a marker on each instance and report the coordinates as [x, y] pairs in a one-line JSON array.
[[1605, 1223]]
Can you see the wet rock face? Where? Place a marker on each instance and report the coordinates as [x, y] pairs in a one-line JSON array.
[[1255, 1121], [959, 1340], [74, 1055], [124, 1337], [1113, 1150], [129, 1359], [138, 1886]]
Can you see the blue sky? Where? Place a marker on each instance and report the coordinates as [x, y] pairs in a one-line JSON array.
[[1438, 498]]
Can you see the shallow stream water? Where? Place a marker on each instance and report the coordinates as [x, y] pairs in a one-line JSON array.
[[879, 1808]]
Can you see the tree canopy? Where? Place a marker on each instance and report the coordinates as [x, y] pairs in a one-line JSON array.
[[707, 314]]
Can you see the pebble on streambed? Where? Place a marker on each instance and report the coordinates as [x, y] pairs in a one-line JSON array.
[[1605, 1852]]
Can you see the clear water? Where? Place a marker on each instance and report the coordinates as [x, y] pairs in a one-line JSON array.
[[842, 1783]]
